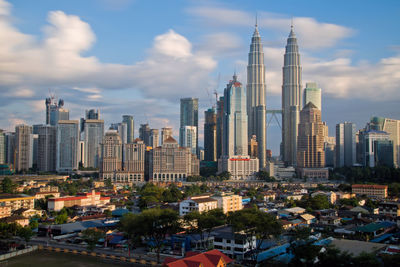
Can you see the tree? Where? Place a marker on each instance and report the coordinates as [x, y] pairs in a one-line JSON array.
[[7, 186], [263, 175], [92, 236], [25, 232], [255, 223], [225, 175], [153, 225], [108, 183], [108, 213]]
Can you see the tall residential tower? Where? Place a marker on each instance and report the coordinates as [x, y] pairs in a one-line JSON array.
[[291, 99], [256, 96]]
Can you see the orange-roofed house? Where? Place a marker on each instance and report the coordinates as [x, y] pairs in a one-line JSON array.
[[212, 258], [86, 199]]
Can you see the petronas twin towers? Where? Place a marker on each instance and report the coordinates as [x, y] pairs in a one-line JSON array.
[[291, 97]]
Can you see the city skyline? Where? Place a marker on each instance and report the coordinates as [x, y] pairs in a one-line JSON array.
[[351, 71]]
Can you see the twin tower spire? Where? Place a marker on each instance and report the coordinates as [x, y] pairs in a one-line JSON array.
[[291, 97]]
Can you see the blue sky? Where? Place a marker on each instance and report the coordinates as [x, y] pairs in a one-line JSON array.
[[139, 57]]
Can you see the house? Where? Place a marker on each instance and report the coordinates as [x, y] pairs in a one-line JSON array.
[[307, 218], [85, 199], [389, 208], [21, 220], [233, 244], [212, 258], [28, 212], [200, 203], [329, 220], [331, 196]]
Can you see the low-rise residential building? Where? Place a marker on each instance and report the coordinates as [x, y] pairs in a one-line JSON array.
[[389, 208], [21, 220], [377, 191], [307, 218], [269, 196], [212, 258], [16, 202], [233, 244], [40, 195], [240, 167], [229, 203], [199, 203], [344, 195], [5, 211], [87, 199]]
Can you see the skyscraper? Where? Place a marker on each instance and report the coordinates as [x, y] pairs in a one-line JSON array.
[[94, 131], [128, 119], [154, 138], [210, 135], [46, 148], [291, 99], [310, 148], [220, 125], [235, 158], [188, 138], [375, 144], [189, 116], [144, 133], [23, 147], [111, 156], [91, 114], [122, 129], [345, 144], [312, 94], [55, 111], [166, 132], [67, 141], [256, 96], [2, 147]]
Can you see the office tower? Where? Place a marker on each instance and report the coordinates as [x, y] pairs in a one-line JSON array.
[[310, 148], [34, 151], [154, 138], [329, 149], [392, 127], [46, 148], [234, 120], [253, 147], [111, 156], [128, 119], [345, 144], [51, 109], [2, 147], [190, 116], [93, 136], [10, 148], [256, 96], [67, 140], [23, 148], [188, 138], [122, 129], [133, 165], [91, 114], [166, 132], [171, 163], [235, 158], [220, 116], [210, 135], [144, 133], [369, 140], [291, 99], [81, 153], [383, 155], [312, 94]]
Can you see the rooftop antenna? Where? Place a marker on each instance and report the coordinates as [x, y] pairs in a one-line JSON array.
[[256, 20]]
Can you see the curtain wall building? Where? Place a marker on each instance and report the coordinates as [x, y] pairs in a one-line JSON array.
[[291, 99], [189, 116], [345, 144], [67, 140], [312, 94], [210, 135]]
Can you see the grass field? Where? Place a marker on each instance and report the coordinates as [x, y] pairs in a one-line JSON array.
[[57, 259]]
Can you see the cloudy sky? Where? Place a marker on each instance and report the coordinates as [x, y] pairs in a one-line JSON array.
[[140, 57]]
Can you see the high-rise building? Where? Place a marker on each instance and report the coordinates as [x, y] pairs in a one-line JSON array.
[[345, 144], [52, 109], [220, 125], [171, 163], [253, 147], [235, 158], [372, 155], [128, 119], [34, 151], [392, 127], [91, 114], [166, 132], [256, 96], [144, 133], [46, 148], [291, 99], [154, 138], [312, 94], [23, 147], [189, 116], [93, 136], [310, 147], [210, 135], [111, 156], [188, 138], [67, 140], [10, 148], [2, 147], [122, 129]]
